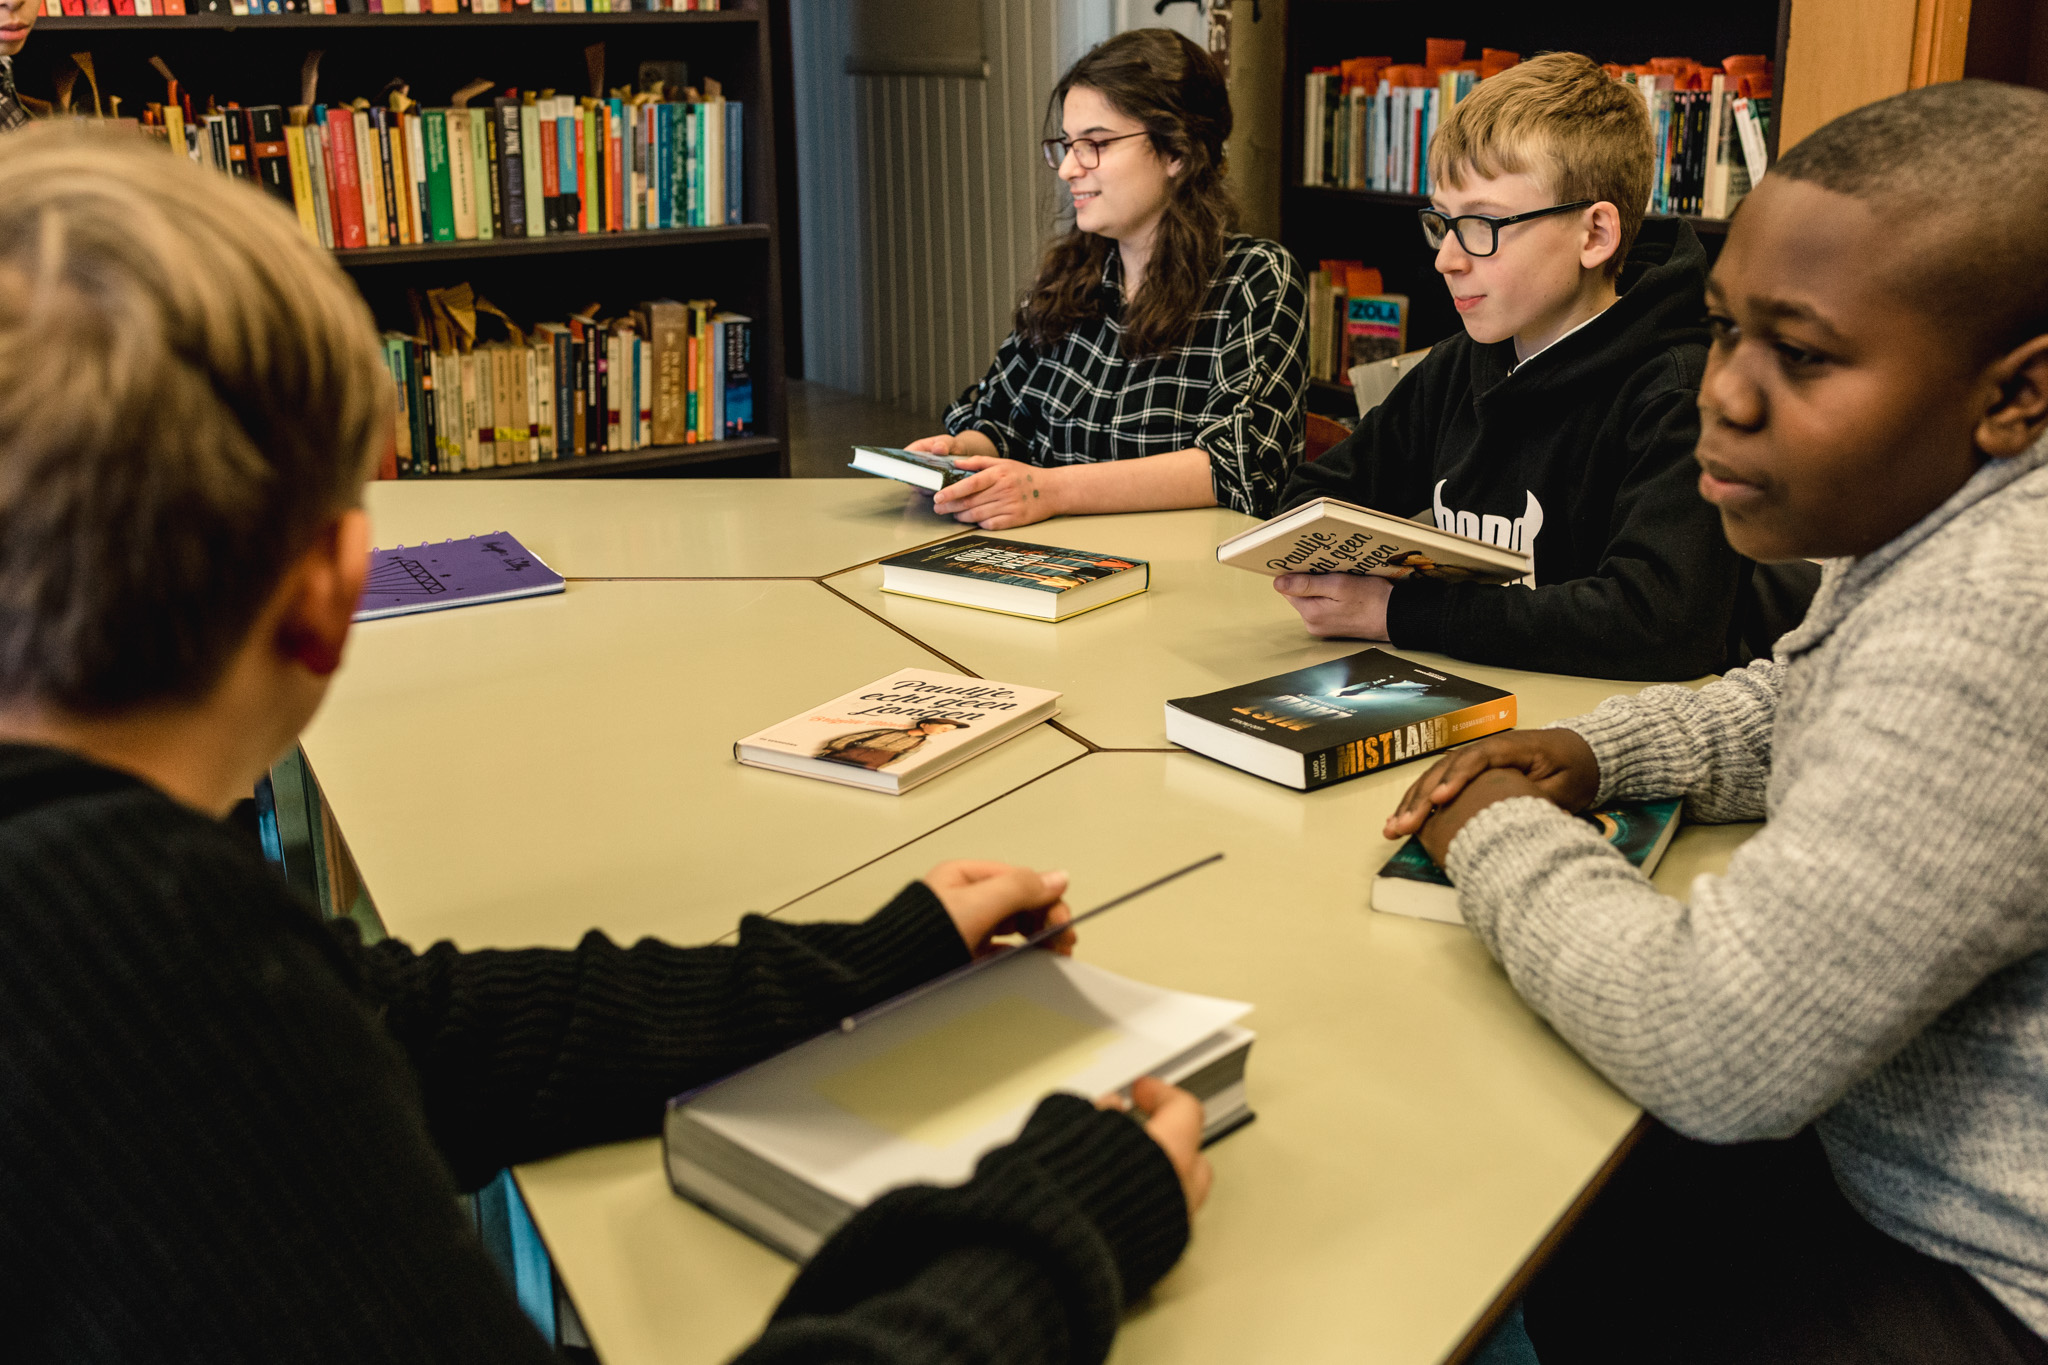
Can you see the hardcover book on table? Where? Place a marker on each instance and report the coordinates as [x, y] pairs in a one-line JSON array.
[[790, 1149], [1411, 883], [1041, 581], [1333, 536], [930, 472], [902, 729], [454, 573], [1343, 719]]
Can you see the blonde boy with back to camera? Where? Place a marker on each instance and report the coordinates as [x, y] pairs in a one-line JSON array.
[[231, 1132], [1561, 421]]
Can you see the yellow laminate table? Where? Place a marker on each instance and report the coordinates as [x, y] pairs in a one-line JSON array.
[[668, 528], [1420, 1130]]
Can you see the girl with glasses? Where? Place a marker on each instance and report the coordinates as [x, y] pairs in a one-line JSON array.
[[1158, 359]]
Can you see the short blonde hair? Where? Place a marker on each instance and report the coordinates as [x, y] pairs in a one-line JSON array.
[[189, 392], [1562, 118]]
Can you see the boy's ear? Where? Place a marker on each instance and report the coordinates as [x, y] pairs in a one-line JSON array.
[[2019, 414], [1603, 236], [321, 592]]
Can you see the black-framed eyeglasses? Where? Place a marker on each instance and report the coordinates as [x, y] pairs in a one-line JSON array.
[[1484, 238], [1087, 150]]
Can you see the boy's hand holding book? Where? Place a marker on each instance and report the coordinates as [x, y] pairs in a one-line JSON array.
[[1556, 765], [1339, 606]]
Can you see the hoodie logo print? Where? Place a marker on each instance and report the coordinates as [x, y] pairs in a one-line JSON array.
[[1510, 533]]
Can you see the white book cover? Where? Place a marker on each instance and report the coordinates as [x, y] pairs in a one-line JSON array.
[[919, 1094], [899, 730]]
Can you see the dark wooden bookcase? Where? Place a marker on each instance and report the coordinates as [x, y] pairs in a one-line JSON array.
[[1380, 228], [256, 60]]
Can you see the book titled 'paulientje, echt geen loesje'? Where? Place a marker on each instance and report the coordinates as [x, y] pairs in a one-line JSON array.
[[903, 728]]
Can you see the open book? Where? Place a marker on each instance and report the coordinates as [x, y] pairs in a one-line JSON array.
[[792, 1148]]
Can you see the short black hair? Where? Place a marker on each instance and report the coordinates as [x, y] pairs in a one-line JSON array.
[[1964, 166]]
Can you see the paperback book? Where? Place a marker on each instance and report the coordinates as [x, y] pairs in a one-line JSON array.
[[1339, 720], [930, 472], [455, 573], [792, 1148], [1332, 536], [1412, 884], [1012, 576], [902, 729]]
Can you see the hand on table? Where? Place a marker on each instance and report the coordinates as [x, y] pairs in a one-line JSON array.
[[989, 900], [1173, 1119], [1338, 605], [1556, 765]]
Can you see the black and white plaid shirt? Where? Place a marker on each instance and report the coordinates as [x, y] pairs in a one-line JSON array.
[[1235, 390], [12, 115]]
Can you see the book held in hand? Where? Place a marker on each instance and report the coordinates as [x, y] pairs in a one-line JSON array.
[[1351, 716], [1412, 884], [1332, 536], [1013, 576], [901, 729], [790, 1149], [931, 472], [454, 573]]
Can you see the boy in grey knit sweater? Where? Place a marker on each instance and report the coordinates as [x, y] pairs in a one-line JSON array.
[[1871, 972]]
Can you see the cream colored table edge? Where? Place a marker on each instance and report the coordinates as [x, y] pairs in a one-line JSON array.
[[1695, 851]]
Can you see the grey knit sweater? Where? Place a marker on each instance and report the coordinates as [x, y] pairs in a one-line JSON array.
[[1875, 960]]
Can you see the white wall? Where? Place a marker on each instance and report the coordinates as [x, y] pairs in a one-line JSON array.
[[923, 201]]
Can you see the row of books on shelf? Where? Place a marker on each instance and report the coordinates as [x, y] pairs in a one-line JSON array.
[[146, 9], [1352, 320], [521, 166], [1368, 122], [667, 373]]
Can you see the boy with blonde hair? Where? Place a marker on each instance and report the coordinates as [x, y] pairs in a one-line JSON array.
[[1561, 422], [1847, 1032], [229, 1132]]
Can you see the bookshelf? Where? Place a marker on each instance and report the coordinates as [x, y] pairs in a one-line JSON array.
[[255, 59], [1379, 228]]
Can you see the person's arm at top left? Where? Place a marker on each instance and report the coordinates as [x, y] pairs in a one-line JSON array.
[[527, 1052]]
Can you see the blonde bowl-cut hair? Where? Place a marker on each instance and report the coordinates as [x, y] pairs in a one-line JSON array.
[[190, 391], [1563, 119]]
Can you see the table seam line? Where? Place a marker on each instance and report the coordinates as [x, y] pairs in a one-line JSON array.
[[890, 853], [898, 629]]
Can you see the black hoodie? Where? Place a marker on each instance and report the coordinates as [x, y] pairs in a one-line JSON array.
[[1586, 452]]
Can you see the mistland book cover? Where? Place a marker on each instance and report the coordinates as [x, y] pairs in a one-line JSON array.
[[1333, 721]]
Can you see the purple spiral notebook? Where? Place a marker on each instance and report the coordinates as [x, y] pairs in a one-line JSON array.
[[454, 573]]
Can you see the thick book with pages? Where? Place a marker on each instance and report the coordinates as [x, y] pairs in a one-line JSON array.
[[1411, 883], [1329, 535], [1045, 582], [1338, 720], [929, 472], [790, 1149]]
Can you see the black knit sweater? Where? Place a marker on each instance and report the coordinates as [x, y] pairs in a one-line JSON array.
[[229, 1132]]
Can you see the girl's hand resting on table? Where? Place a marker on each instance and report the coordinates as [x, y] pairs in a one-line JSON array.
[[1000, 494], [1556, 765], [987, 901]]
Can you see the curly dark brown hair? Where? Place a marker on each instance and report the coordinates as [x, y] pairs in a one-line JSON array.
[[1177, 91]]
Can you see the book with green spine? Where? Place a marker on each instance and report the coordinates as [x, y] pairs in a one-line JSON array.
[[440, 187]]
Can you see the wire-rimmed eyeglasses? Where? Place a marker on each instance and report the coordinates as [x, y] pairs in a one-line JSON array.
[[1485, 231], [1087, 150]]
